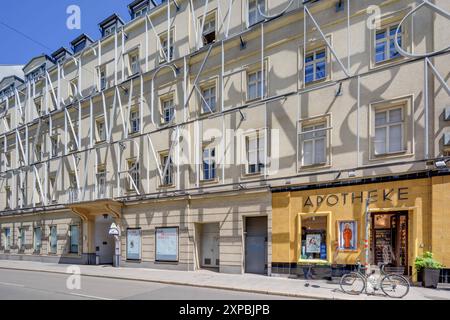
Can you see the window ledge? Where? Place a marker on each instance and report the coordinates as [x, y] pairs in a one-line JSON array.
[[166, 186], [209, 181], [388, 62]]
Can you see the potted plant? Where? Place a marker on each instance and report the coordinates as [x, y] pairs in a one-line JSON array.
[[430, 270]]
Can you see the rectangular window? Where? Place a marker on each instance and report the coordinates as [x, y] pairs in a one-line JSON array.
[[209, 164], [101, 182], [73, 189], [253, 13], [52, 189], [101, 131], [168, 174], [140, 12], [22, 239], [168, 110], [133, 169], [316, 66], [254, 85], [102, 76], [135, 121], [74, 235], [8, 197], [38, 104], [7, 237], [255, 146], [53, 240], [134, 63], [54, 145], [163, 48], [385, 44], [38, 152], [109, 30], [314, 238], [209, 99], [166, 243], [314, 144], [389, 134], [209, 29], [37, 243]]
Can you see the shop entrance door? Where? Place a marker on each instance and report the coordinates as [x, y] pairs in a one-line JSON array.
[[390, 239], [256, 245]]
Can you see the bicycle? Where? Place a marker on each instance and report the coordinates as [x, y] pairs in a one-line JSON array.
[[392, 285]]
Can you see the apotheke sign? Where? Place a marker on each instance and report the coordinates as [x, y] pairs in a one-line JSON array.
[[331, 200]]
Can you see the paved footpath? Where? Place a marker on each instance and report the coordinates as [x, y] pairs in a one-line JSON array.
[[314, 289]]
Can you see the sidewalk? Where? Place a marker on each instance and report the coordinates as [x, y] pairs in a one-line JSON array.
[[207, 279]]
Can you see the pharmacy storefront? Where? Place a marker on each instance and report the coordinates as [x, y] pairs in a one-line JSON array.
[[327, 226]]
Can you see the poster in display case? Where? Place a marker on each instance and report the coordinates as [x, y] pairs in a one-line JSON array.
[[134, 237], [167, 244]]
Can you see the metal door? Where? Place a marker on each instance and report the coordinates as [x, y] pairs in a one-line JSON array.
[[256, 245], [210, 245]]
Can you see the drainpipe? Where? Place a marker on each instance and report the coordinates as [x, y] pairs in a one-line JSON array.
[[367, 235]]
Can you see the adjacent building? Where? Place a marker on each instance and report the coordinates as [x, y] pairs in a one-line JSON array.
[[240, 136]]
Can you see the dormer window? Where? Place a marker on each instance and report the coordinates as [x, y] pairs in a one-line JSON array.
[[110, 25], [141, 8], [80, 43], [140, 12], [109, 30]]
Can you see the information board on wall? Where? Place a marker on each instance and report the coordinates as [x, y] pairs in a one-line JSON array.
[[167, 244], [134, 237]]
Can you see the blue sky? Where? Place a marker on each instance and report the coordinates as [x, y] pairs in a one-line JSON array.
[[44, 21]]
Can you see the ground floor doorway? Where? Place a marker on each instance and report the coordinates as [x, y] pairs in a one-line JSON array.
[[389, 239], [256, 245], [104, 243], [209, 245]]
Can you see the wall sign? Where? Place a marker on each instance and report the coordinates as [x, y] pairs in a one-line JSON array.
[[134, 243], [348, 235], [331, 200], [167, 244]]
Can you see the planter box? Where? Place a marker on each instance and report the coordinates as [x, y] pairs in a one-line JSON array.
[[431, 278]]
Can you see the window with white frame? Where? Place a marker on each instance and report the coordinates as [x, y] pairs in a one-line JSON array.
[[8, 197], [109, 30], [102, 77], [38, 104], [22, 239], [133, 170], [7, 238], [163, 47], [74, 235], [140, 12], [101, 181], [73, 189], [389, 131], [135, 121], [314, 139], [209, 163], [53, 230], [254, 85], [38, 152], [385, 43], [208, 99], [316, 65], [255, 149], [168, 109], [253, 13], [166, 160], [101, 131], [134, 62], [37, 243], [52, 188], [54, 145], [73, 88], [209, 29]]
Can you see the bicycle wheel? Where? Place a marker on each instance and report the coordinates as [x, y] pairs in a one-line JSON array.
[[353, 283], [395, 286]]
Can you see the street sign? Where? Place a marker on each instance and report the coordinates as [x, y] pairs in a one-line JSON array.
[[114, 230]]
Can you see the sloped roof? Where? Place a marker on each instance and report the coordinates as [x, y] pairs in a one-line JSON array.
[[11, 70]]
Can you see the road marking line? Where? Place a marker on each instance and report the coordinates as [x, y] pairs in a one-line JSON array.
[[87, 296], [12, 284]]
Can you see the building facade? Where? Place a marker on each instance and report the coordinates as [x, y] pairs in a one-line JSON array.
[[240, 136]]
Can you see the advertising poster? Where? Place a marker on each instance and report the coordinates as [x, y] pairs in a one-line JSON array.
[[167, 244], [348, 235], [313, 242], [134, 244]]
